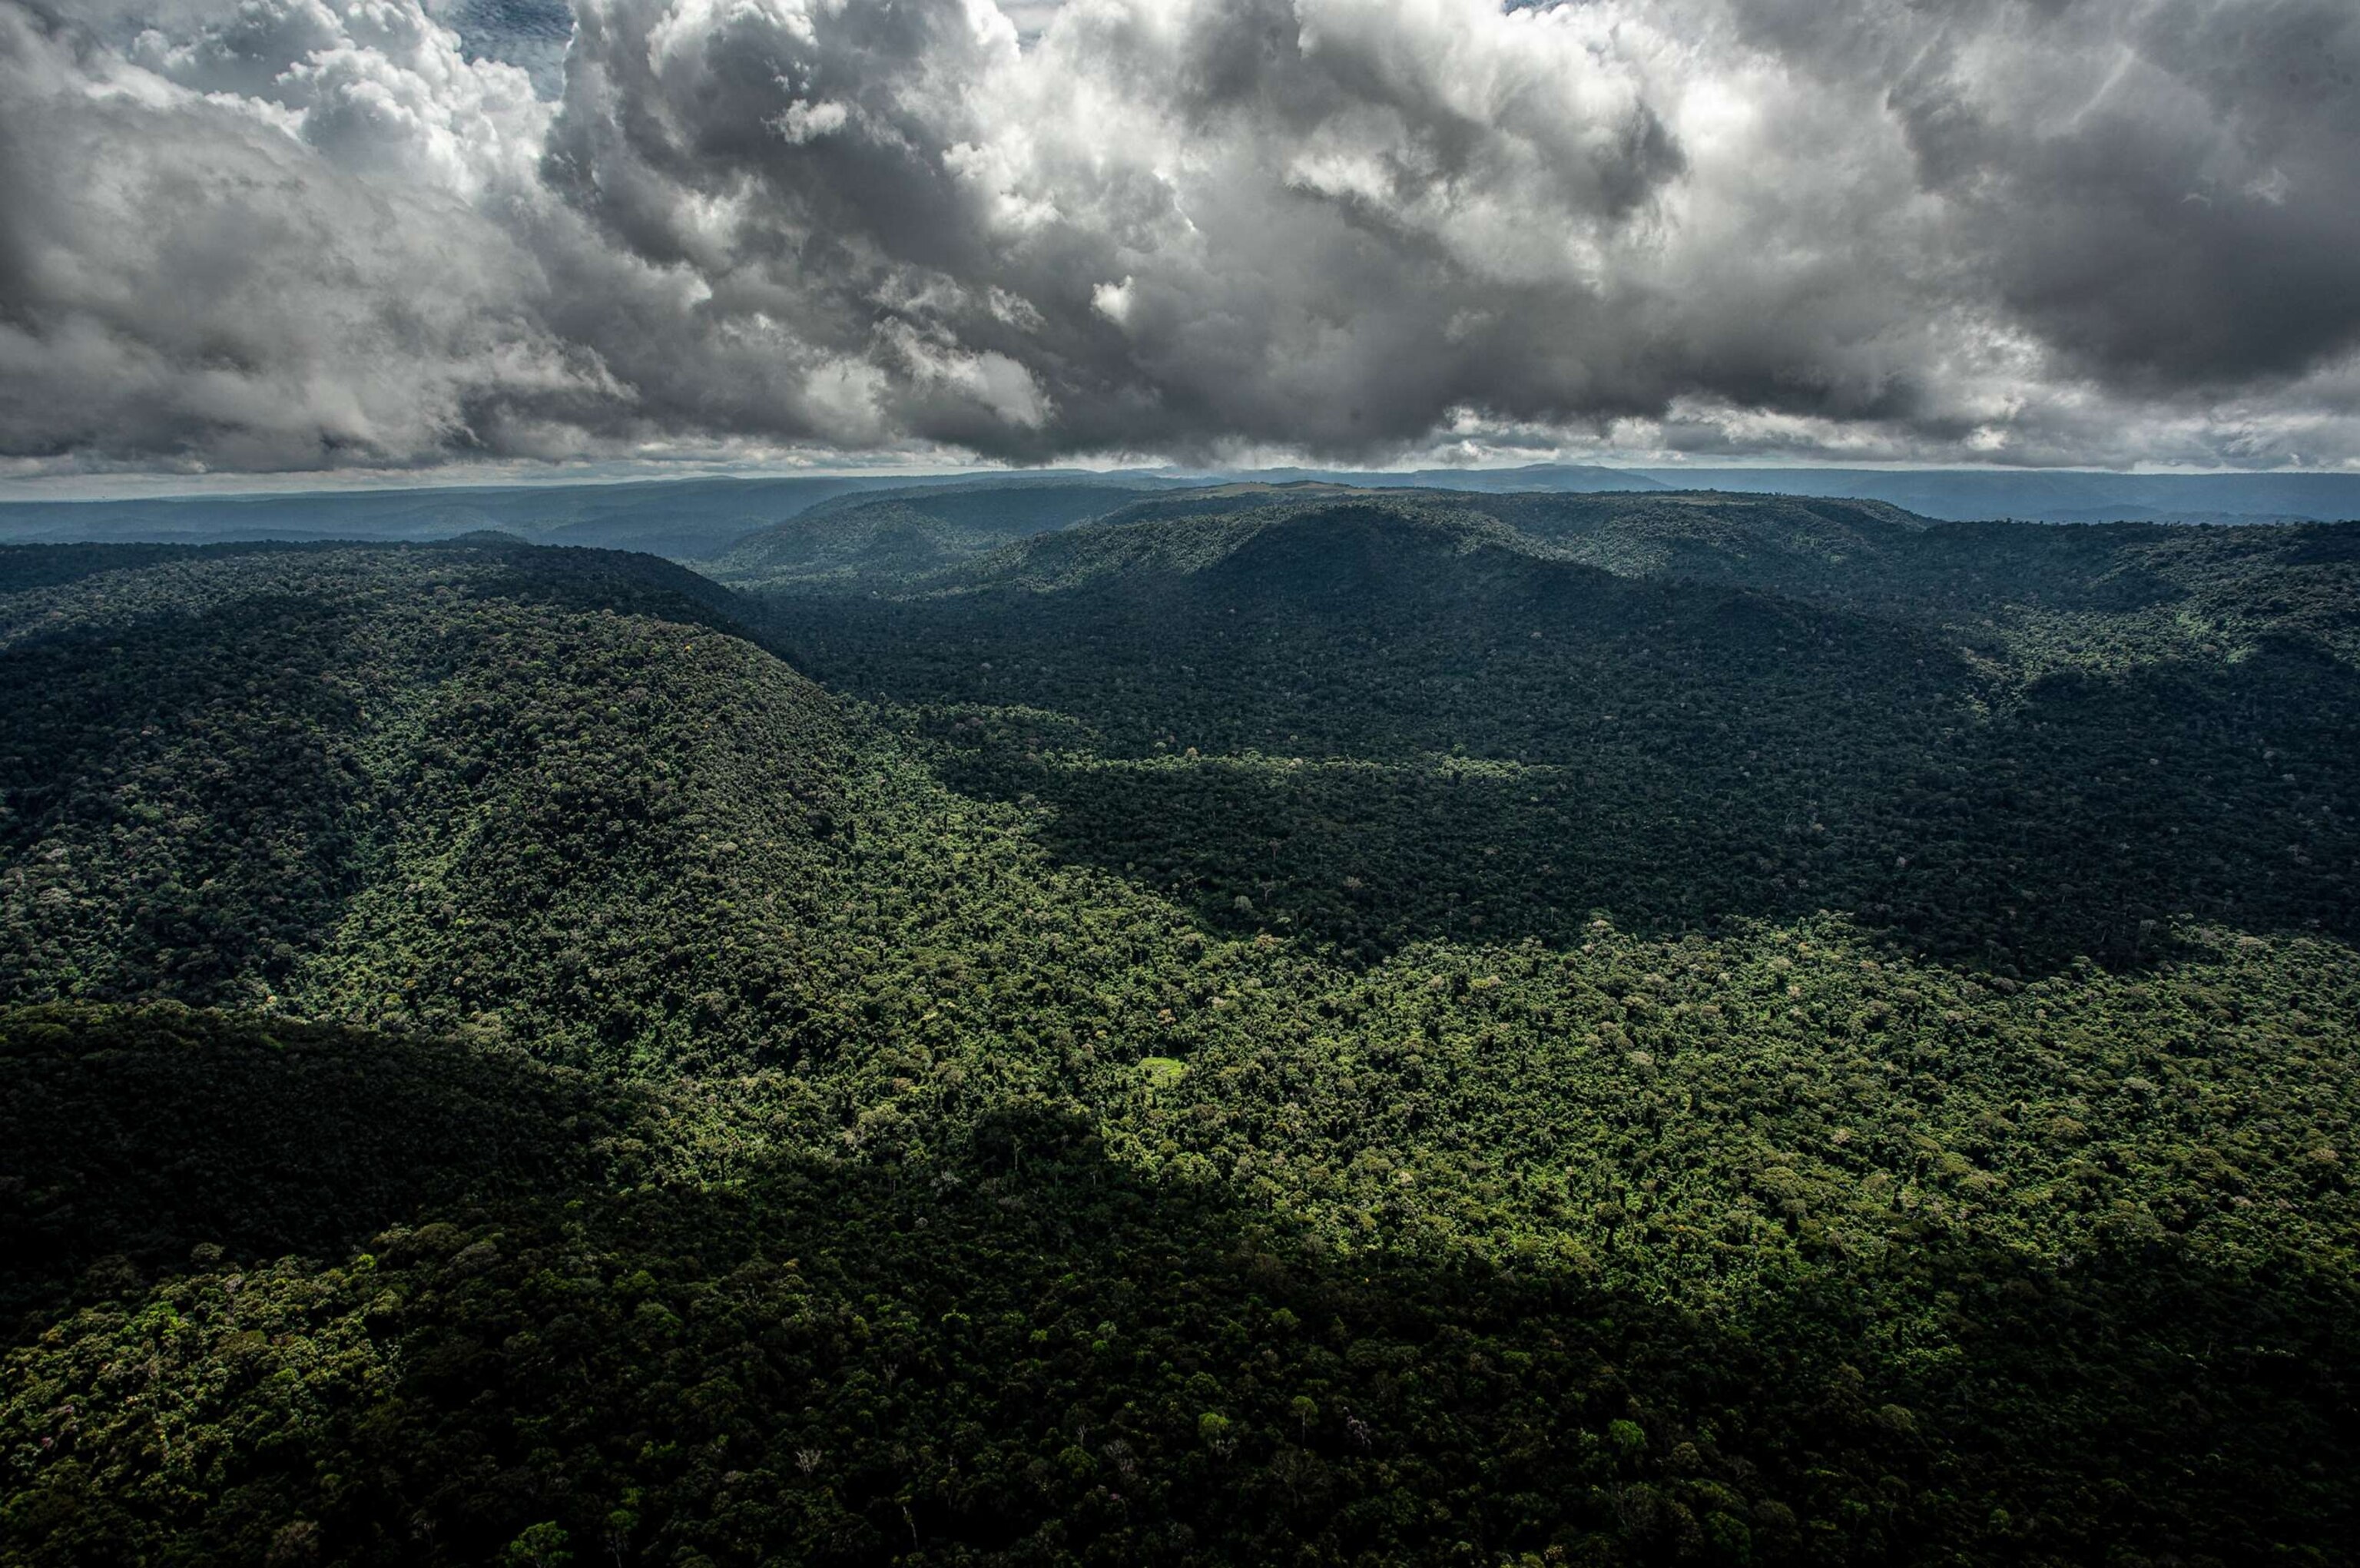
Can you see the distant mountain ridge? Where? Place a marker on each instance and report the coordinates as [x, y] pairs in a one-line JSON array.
[[1854, 645], [907, 536], [707, 519], [1348, 535], [674, 516], [681, 519], [1863, 555], [1964, 495], [1568, 478]]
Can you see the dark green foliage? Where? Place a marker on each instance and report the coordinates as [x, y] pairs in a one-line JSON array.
[[1435, 1122], [1013, 508], [1974, 580], [856, 543], [175, 820], [1372, 723], [314, 772], [1029, 1353], [130, 1137]]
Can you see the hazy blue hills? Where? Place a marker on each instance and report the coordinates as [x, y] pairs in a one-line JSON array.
[[2053, 494], [907, 536], [1566, 476], [677, 518], [706, 519], [683, 519]]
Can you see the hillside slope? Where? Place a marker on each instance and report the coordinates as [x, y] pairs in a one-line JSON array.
[[447, 783]]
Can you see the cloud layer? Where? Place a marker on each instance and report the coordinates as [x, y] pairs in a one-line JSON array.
[[318, 232]]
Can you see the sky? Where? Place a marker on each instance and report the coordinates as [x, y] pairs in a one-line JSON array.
[[333, 237]]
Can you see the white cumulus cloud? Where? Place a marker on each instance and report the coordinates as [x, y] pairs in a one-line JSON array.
[[308, 233]]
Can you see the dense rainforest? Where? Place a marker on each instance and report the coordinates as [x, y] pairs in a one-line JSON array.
[[1263, 1024]]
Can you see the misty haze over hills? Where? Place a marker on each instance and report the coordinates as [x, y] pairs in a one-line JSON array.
[[692, 519], [2053, 496]]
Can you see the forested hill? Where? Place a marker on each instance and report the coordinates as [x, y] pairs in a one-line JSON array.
[[1856, 555], [1630, 532], [424, 782], [1367, 721], [1337, 1029], [906, 537]]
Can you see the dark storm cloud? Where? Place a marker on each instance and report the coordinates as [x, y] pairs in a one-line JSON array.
[[310, 231], [2187, 218]]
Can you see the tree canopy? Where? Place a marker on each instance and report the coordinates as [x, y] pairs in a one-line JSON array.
[[1331, 1029]]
